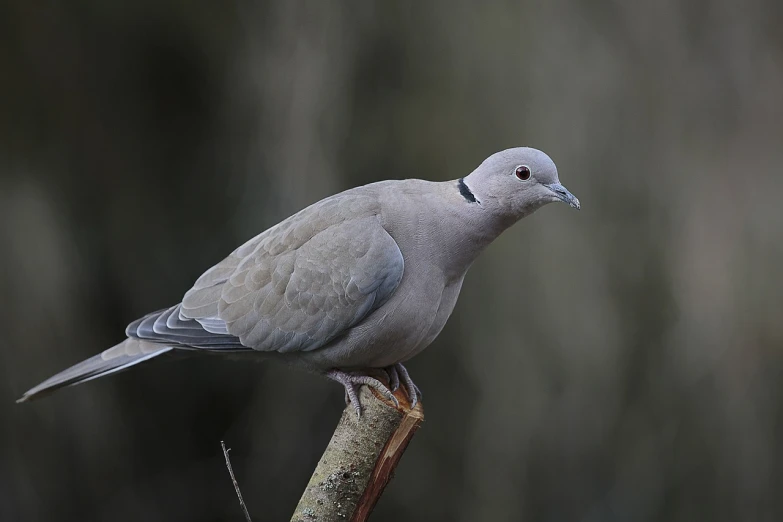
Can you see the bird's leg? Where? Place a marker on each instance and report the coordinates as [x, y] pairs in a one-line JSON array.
[[414, 393], [351, 381], [394, 377]]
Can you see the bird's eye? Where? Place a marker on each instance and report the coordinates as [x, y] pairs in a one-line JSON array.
[[523, 173]]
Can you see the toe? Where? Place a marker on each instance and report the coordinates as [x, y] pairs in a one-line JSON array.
[[413, 392], [394, 378], [381, 388]]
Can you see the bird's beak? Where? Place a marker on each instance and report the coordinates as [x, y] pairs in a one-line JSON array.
[[564, 195]]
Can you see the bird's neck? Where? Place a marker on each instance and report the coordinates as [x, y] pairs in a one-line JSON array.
[[463, 227]]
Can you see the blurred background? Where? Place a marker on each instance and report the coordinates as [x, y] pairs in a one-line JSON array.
[[622, 363]]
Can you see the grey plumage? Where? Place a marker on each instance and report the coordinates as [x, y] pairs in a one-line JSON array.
[[363, 279], [120, 357]]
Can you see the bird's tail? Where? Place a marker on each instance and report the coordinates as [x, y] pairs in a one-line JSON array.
[[126, 354]]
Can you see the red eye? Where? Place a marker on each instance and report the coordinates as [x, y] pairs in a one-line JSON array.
[[523, 173]]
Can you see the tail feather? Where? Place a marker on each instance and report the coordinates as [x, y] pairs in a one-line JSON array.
[[128, 353]]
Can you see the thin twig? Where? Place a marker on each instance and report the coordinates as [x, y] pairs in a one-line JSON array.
[[234, 480]]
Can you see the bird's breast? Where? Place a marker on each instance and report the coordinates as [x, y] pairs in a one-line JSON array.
[[399, 329]]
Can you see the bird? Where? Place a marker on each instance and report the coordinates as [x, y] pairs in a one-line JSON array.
[[354, 284]]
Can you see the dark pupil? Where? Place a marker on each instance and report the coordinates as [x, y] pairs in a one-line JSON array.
[[523, 173]]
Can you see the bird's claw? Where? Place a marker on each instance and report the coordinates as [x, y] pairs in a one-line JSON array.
[[398, 374], [413, 391], [394, 378], [351, 381]]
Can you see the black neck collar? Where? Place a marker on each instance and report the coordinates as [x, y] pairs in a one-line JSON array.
[[465, 191]]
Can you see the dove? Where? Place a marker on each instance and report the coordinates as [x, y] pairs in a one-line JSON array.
[[356, 283]]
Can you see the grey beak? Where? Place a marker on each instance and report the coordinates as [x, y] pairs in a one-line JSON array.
[[564, 195]]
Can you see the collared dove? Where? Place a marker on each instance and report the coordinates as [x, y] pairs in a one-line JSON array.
[[361, 280]]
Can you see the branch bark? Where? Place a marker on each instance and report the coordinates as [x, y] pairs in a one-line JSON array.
[[359, 460]]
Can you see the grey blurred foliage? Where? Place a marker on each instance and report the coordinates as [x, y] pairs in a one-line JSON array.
[[622, 363]]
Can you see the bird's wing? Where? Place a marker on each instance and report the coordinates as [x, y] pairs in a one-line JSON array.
[[300, 284]]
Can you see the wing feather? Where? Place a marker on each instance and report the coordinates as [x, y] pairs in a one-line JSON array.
[[302, 283]]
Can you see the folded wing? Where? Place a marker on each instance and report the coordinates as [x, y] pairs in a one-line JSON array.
[[295, 287]]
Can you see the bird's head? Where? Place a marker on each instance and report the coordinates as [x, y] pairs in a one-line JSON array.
[[516, 182]]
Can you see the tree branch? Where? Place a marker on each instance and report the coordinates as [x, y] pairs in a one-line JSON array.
[[359, 460]]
